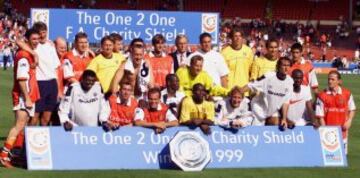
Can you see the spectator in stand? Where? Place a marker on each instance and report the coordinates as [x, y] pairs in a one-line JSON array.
[[336, 62], [6, 56], [345, 62]]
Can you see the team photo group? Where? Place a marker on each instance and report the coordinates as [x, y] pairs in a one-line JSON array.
[[132, 85]]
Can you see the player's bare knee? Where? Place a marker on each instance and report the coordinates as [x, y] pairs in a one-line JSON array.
[[272, 121]]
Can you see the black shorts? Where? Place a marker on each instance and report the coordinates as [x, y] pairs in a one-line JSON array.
[[48, 96]]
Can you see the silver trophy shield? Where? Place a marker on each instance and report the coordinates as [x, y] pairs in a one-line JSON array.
[[189, 151]]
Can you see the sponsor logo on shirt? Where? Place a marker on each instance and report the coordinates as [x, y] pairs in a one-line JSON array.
[[294, 101], [92, 100], [276, 93]]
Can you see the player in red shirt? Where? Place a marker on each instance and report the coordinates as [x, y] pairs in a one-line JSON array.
[[298, 62], [156, 115], [335, 105], [25, 93], [160, 62], [61, 50], [76, 60], [123, 106]]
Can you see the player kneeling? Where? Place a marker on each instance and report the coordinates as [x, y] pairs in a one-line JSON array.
[[123, 106], [156, 114], [25, 93], [84, 104], [196, 111], [233, 112]]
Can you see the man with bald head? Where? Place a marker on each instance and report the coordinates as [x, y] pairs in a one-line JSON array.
[[61, 49], [60, 46]]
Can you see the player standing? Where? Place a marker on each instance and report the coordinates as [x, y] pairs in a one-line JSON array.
[[335, 106], [25, 93]]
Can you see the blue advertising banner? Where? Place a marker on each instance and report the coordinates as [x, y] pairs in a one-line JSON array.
[[51, 148], [129, 24]]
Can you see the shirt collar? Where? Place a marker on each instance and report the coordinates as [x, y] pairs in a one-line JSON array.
[[302, 61], [118, 100], [181, 54], [338, 91], [76, 53], [159, 107], [165, 92], [203, 52], [151, 54]]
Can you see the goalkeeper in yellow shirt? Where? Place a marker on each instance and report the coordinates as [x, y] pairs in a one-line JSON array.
[[267, 63], [239, 58]]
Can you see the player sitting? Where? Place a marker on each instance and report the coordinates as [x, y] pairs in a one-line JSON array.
[[84, 104]]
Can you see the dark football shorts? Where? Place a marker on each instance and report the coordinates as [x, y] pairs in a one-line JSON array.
[[48, 96]]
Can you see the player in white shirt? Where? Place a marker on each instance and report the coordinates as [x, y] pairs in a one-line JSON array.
[[46, 75], [234, 111], [171, 96], [214, 62], [273, 95], [135, 71], [84, 104], [300, 111]]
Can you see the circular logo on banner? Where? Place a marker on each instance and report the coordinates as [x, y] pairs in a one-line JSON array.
[[209, 23], [38, 141], [189, 151], [330, 140], [40, 15]]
